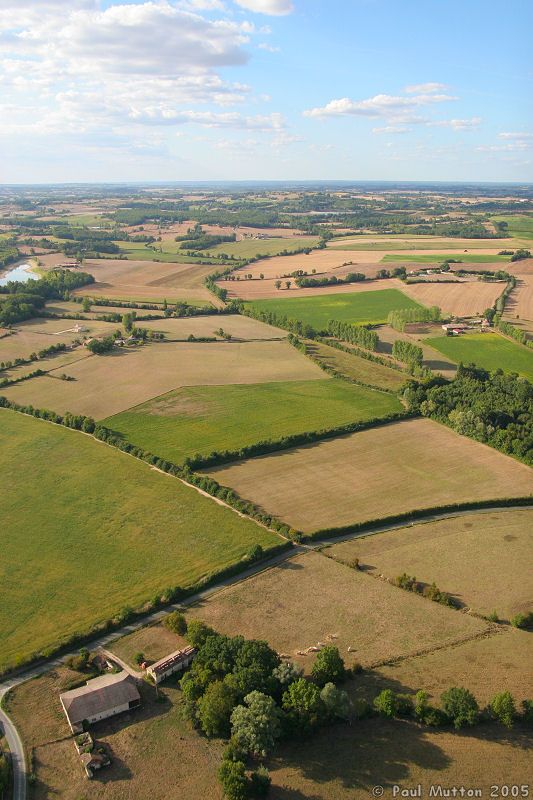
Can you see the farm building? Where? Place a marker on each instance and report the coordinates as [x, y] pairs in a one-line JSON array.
[[455, 327], [169, 664], [100, 698]]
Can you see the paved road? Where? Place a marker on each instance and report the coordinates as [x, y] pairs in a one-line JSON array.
[[13, 738]]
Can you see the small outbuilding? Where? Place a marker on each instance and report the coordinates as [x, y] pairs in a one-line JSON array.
[[175, 662], [100, 698]]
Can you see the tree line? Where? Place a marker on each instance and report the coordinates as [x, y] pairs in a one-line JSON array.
[[400, 317]]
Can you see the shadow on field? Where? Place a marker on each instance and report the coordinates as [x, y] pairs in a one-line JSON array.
[[367, 753]]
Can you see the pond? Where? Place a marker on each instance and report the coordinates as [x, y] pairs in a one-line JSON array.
[[22, 272]]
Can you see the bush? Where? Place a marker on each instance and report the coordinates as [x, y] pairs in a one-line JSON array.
[[139, 659], [260, 782], [176, 622], [232, 776], [527, 711], [460, 706], [386, 703], [503, 708], [523, 621]]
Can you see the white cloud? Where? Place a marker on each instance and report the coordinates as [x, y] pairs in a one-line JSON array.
[[276, 8], [381, 105], [457, 124], [268, 47], [425, 88], [391, 129], [517, 136], [515, 141]]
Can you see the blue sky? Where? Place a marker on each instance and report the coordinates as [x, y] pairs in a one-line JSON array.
[[105, 90]]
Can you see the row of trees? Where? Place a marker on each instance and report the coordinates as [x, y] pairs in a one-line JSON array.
[[407, 352], [515, 333], [355, 334], [304, 282], [399, 318], [491, 407], [22, 300]]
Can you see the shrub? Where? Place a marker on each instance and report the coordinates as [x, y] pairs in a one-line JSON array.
[[523, 621], [502, 706], [336, 702], [260, 782], [328, 666], [527, 711], [176, 622], [460, 706], [139, 658], [407, 582], [232, 776], [386, 703]]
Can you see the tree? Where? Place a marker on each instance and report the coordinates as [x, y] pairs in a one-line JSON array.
[[128, 321], [255, 662], [101, 346], [277, 284], [256, 725], [288, 672], [288, 284], [139, 658], [503, 707], [460, 706], [302, 701], [336, 702], [232, 776], [176, 622], [197, 632], [328, 666], [86, 304], [215, 707]]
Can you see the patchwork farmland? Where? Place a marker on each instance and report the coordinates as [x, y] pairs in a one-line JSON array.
[[489, 350]]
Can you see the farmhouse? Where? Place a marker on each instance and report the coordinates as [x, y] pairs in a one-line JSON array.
[[100, 698], [169, 664], [455, 327]]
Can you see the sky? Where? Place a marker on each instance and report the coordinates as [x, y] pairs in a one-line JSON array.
[[170, 90]]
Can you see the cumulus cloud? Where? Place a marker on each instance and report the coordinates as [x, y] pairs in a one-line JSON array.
[[457, 124], [515, 141], [381, 105], [276, 8], [393, 129]]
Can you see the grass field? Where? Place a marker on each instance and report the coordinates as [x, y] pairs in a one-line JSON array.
[[467, 258], [355, 307], [410, 242], [372, 474], [487, 350], [520, 226], [249, 248], [479, 559], [201, 419], [170, 252], [359, 369], [112, 533], [106, 385], [376, 620], [461, 299]]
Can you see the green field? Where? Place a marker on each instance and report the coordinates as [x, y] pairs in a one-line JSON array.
[[200, 419], [356, 307], [427, 258], [249, 248], [520, 226], [137, 251], [89, 530], [487, 350]]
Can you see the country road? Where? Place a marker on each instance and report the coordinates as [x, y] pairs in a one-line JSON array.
[[14, 741]]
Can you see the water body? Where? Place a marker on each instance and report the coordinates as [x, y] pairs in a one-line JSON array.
[[22, 272]]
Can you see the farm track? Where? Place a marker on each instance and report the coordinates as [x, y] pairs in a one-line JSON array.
[[16, 746]]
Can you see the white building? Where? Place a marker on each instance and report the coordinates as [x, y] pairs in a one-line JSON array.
[[175, 662], [100, 698]]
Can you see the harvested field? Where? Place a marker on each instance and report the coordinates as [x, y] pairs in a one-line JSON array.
[[154, 641], [88, 551], [202, 419], [387, 470], [402, 241], [240, 327], [488, 350], [376, 620], [519, 304], [459, 299], [153, 748], [266, 289], [148, 281], [356, 368], [355, 306], [481, 560], [323, 261], [106, 385], [37, 334], [249, 248]]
